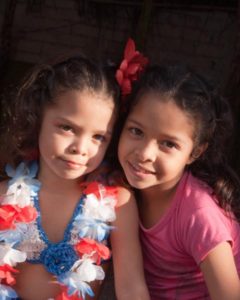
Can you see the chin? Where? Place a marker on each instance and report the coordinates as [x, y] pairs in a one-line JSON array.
[[137, 184], [72, 175]]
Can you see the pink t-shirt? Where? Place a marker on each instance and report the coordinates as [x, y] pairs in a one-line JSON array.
[[177, 244]]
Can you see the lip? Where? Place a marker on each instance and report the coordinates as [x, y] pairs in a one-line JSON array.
[[139, 171], [72, 164]]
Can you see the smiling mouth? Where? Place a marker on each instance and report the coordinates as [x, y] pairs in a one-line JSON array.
[[140, 170]]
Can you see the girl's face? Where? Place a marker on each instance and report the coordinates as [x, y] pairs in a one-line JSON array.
[[75, 133], [156, 143]]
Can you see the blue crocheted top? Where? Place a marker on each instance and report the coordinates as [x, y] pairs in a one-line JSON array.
[[57, 257], [69, 260]]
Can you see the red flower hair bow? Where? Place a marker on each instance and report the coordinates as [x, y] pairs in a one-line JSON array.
[[130, 68]]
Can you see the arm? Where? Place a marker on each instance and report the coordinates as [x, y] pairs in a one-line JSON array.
[[220, 273], [127, 257]]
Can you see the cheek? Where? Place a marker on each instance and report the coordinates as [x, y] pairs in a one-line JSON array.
[[178, 162], [52, 144], [121, 147], [95, 158], [97, 152]]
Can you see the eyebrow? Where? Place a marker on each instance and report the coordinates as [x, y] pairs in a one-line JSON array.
[[135, 122], [165, 136], [173, 138], [103, 132]]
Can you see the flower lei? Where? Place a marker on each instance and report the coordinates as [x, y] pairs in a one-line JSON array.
[[130, 68], [17, 213]]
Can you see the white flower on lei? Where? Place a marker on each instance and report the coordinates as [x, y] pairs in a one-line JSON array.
[[100, 209], [22, 185], [84, 270], [11, 256]]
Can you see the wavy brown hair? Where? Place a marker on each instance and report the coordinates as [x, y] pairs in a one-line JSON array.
[[39, 89], [211, 113]]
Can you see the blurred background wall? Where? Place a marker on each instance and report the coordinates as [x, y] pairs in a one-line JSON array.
[[204, 34]]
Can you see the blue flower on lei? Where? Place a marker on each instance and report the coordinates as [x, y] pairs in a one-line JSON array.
[[77, 279], [75, 286], [7, 293], [92, 228], [14, 236], [24, 176]]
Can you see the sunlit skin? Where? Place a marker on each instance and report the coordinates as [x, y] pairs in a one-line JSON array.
[[72, 144], [155, 147]]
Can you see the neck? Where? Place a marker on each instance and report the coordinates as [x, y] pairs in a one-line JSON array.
[[158, 194], [59, 186], [162, 192], [153, 204], [56, 184]]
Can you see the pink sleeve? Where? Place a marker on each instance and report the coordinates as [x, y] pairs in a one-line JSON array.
[[204, 230]]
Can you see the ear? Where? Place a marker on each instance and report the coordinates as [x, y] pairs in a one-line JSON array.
[[197, 152]]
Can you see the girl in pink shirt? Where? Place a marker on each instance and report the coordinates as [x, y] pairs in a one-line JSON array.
[[172, 150]]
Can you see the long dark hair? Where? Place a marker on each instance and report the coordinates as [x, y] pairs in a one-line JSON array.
[[23, 113], [200, 100]]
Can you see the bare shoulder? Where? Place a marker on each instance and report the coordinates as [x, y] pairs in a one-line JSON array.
[[124, 196]]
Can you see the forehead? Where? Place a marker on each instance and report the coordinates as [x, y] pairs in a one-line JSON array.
[[84, 105], [74, 98], [160, 114]]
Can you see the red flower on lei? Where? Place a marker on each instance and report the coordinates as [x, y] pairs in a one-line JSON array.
[[89, 246], [64, 295], [11, 214], [6, 274], [93, 188], [130, 68]]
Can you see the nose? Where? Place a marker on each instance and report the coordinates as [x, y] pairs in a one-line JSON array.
[[147, 151], [79, 146]]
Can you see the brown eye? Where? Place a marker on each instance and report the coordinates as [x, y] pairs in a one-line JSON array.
[[169, 144], [135, 131], [66, 127], [100, 138]]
